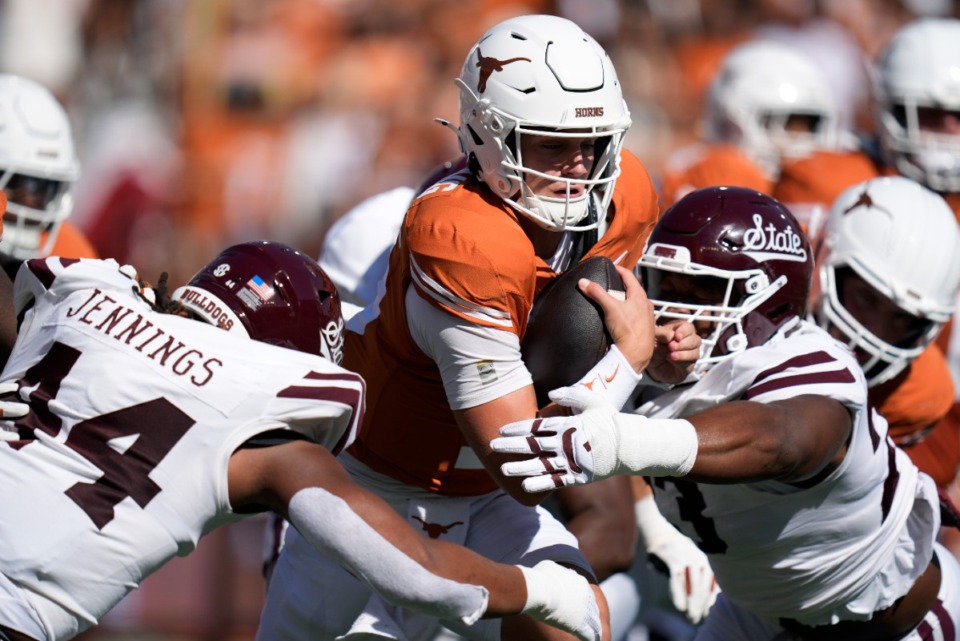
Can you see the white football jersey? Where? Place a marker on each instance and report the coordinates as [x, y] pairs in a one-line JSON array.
[[837, 549], [135, 414]]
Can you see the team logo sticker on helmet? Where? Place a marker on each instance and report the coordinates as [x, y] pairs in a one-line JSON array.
[[768, 243], [488, 65], [332, 340]]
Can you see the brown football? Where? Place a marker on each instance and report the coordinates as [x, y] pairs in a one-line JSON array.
[[565, 335]]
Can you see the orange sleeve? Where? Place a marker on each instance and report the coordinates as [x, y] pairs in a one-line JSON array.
[[922, 417], [916, 400], [939, 454], [469, 257], [719, 165], [71, 243]]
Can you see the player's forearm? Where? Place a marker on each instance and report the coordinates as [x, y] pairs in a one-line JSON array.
[[790, 440], [437, 578], [480, 424]]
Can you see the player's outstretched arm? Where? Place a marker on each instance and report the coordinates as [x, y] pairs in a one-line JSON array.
[[304, 483], [791, 440]]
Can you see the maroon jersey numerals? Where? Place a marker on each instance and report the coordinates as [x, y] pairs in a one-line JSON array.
[[691, 504], [154, 427]]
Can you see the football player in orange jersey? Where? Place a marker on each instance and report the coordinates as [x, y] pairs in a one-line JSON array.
[[889, 272], [917, 105], [354, 254], [767, 103], [38, 166], [918, 111], [547, 184]]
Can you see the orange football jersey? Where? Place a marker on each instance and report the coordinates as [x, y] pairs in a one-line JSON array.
[[808, 186], [464, 251], [941, 456], [701, 166], [71, 243], [915, 400]]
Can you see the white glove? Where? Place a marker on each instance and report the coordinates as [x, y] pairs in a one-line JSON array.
[[567, 450], [562, 598], [594, 445], [693, 587], [11, 409]]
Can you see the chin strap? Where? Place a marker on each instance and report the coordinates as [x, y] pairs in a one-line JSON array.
[[583, 241]]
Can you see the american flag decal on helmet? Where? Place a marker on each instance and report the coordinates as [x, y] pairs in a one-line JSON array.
[[261, 288]]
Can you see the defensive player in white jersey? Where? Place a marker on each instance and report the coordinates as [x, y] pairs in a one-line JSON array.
[[816, 525], [147, 430]]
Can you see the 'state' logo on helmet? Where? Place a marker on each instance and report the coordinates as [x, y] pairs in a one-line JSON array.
[[221, 270], [767, 242], [489, 65]]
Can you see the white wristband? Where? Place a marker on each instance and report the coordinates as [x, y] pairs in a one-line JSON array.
[[655, 446], [556, 595], [612, 377], [653, 527]]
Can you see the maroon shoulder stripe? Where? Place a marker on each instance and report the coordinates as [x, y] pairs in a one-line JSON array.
[[348, 396], [42, 271], [351, 396], [797, 380], [804, 360]]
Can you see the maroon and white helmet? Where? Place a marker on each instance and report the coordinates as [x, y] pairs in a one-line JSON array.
[[748, 255], [272, 293]]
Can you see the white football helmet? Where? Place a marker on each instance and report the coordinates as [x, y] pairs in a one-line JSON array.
[[537, 75], [38, 166], [760, 85], [901, 239], [920, 67]]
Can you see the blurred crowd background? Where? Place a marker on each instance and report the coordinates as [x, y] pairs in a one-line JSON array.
[[201, 123]]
